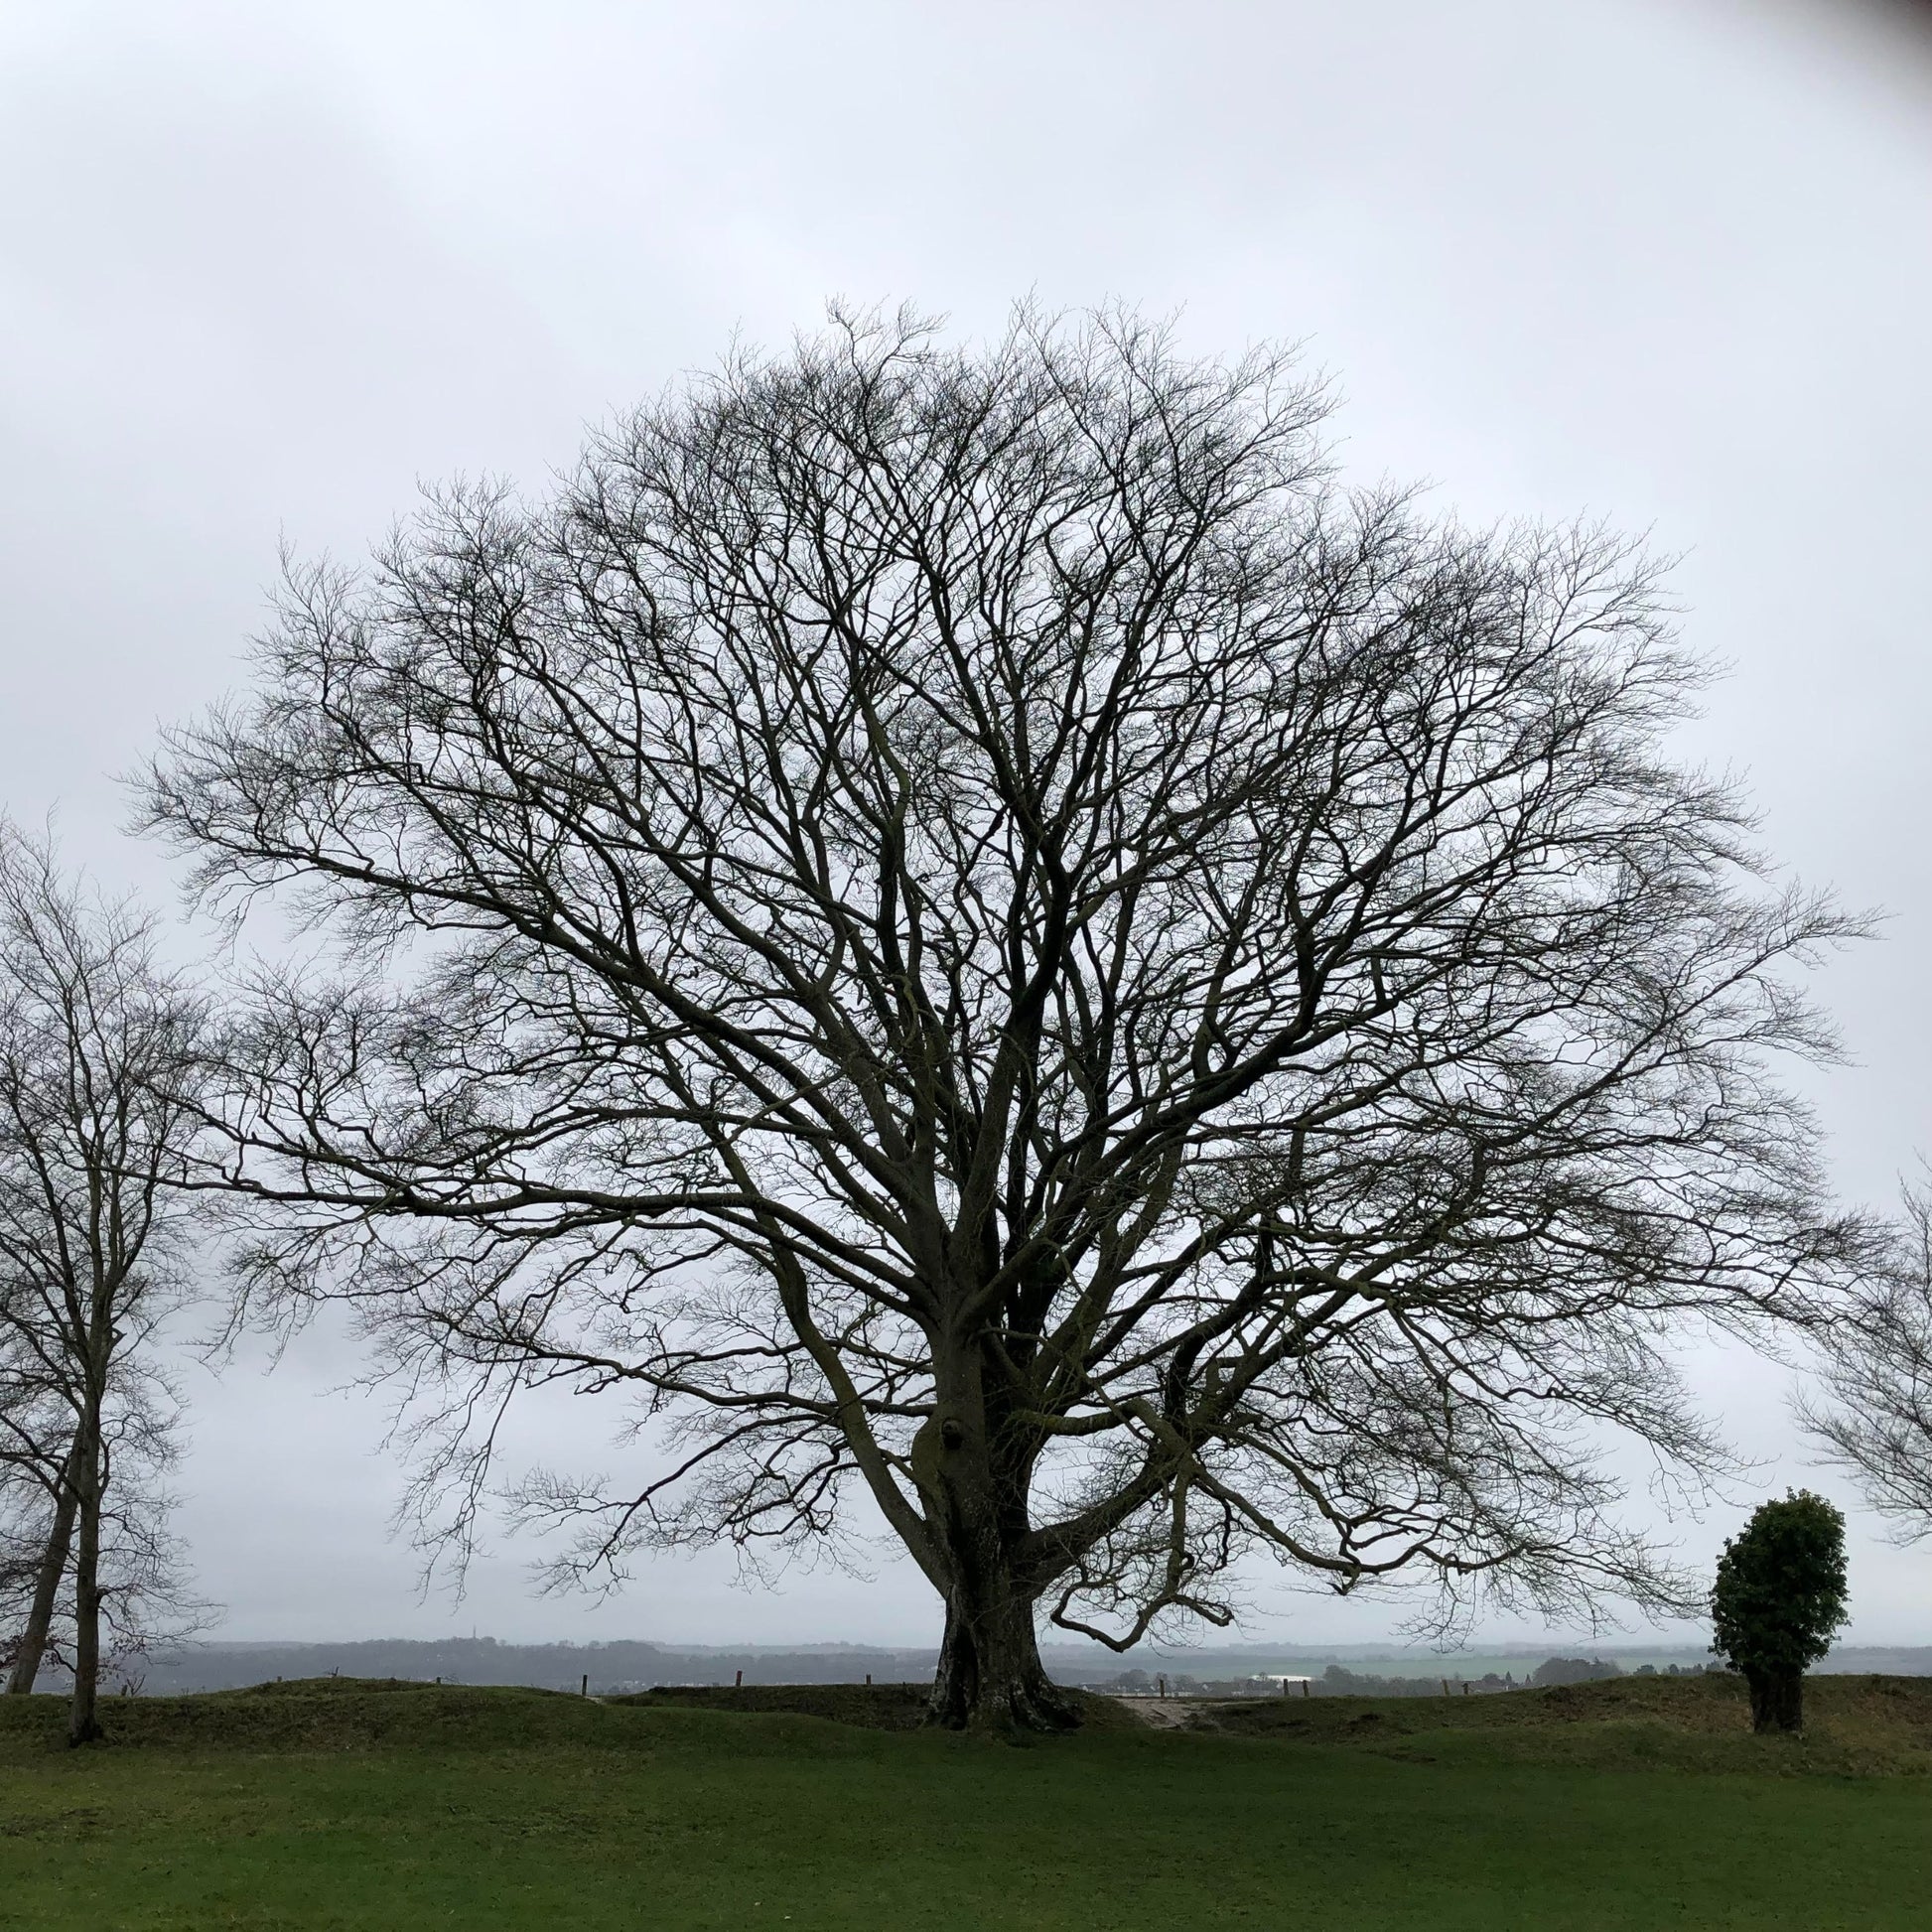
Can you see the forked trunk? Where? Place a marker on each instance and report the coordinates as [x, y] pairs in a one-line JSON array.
[[47, 1585], [84, 1724], [1777, 1700]]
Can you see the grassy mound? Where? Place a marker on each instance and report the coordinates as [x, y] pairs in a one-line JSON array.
[[1853, 1725], [1856, 1726], [332, 1714], [319, 1713], [875, 1707]]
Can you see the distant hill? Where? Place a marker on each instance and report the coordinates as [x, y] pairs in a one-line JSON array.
[[634, 1666], [610, 1667], [1879, 1660]]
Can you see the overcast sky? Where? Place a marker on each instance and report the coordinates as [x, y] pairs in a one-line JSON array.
[[263, 269]]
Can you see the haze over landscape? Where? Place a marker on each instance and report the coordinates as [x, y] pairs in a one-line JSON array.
[[1666, 263]]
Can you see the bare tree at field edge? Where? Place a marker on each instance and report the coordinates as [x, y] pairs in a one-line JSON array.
[[97, 1051]]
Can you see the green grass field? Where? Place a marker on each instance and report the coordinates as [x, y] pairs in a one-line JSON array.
[[341, 1805]]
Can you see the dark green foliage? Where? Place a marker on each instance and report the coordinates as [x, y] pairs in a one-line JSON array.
[[1778, 1600], [1780, 1592]]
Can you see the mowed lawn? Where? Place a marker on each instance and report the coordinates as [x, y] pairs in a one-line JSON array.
[[508, 1809]]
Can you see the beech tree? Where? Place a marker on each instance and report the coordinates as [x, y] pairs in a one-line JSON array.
[[97, 1056], [972, 924]]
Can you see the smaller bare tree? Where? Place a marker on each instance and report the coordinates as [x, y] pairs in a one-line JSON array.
[[1873, 1410], [98, 1051], [144, 1600], [38, 1492]]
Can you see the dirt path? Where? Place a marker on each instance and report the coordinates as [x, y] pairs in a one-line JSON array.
[[1162, 1713]]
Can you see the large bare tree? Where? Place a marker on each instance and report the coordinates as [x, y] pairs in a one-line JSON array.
[[98, 1048], [969, 923]]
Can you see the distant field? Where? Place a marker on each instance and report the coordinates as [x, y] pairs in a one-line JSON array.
[[347, 1805]]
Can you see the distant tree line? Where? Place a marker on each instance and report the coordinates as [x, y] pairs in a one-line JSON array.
[[1338, 1681], [614, 1666]]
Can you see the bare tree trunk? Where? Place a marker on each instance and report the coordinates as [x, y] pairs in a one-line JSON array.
[[989, 1676], [1777, 1700], [83, 1726], [46, 1586]]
